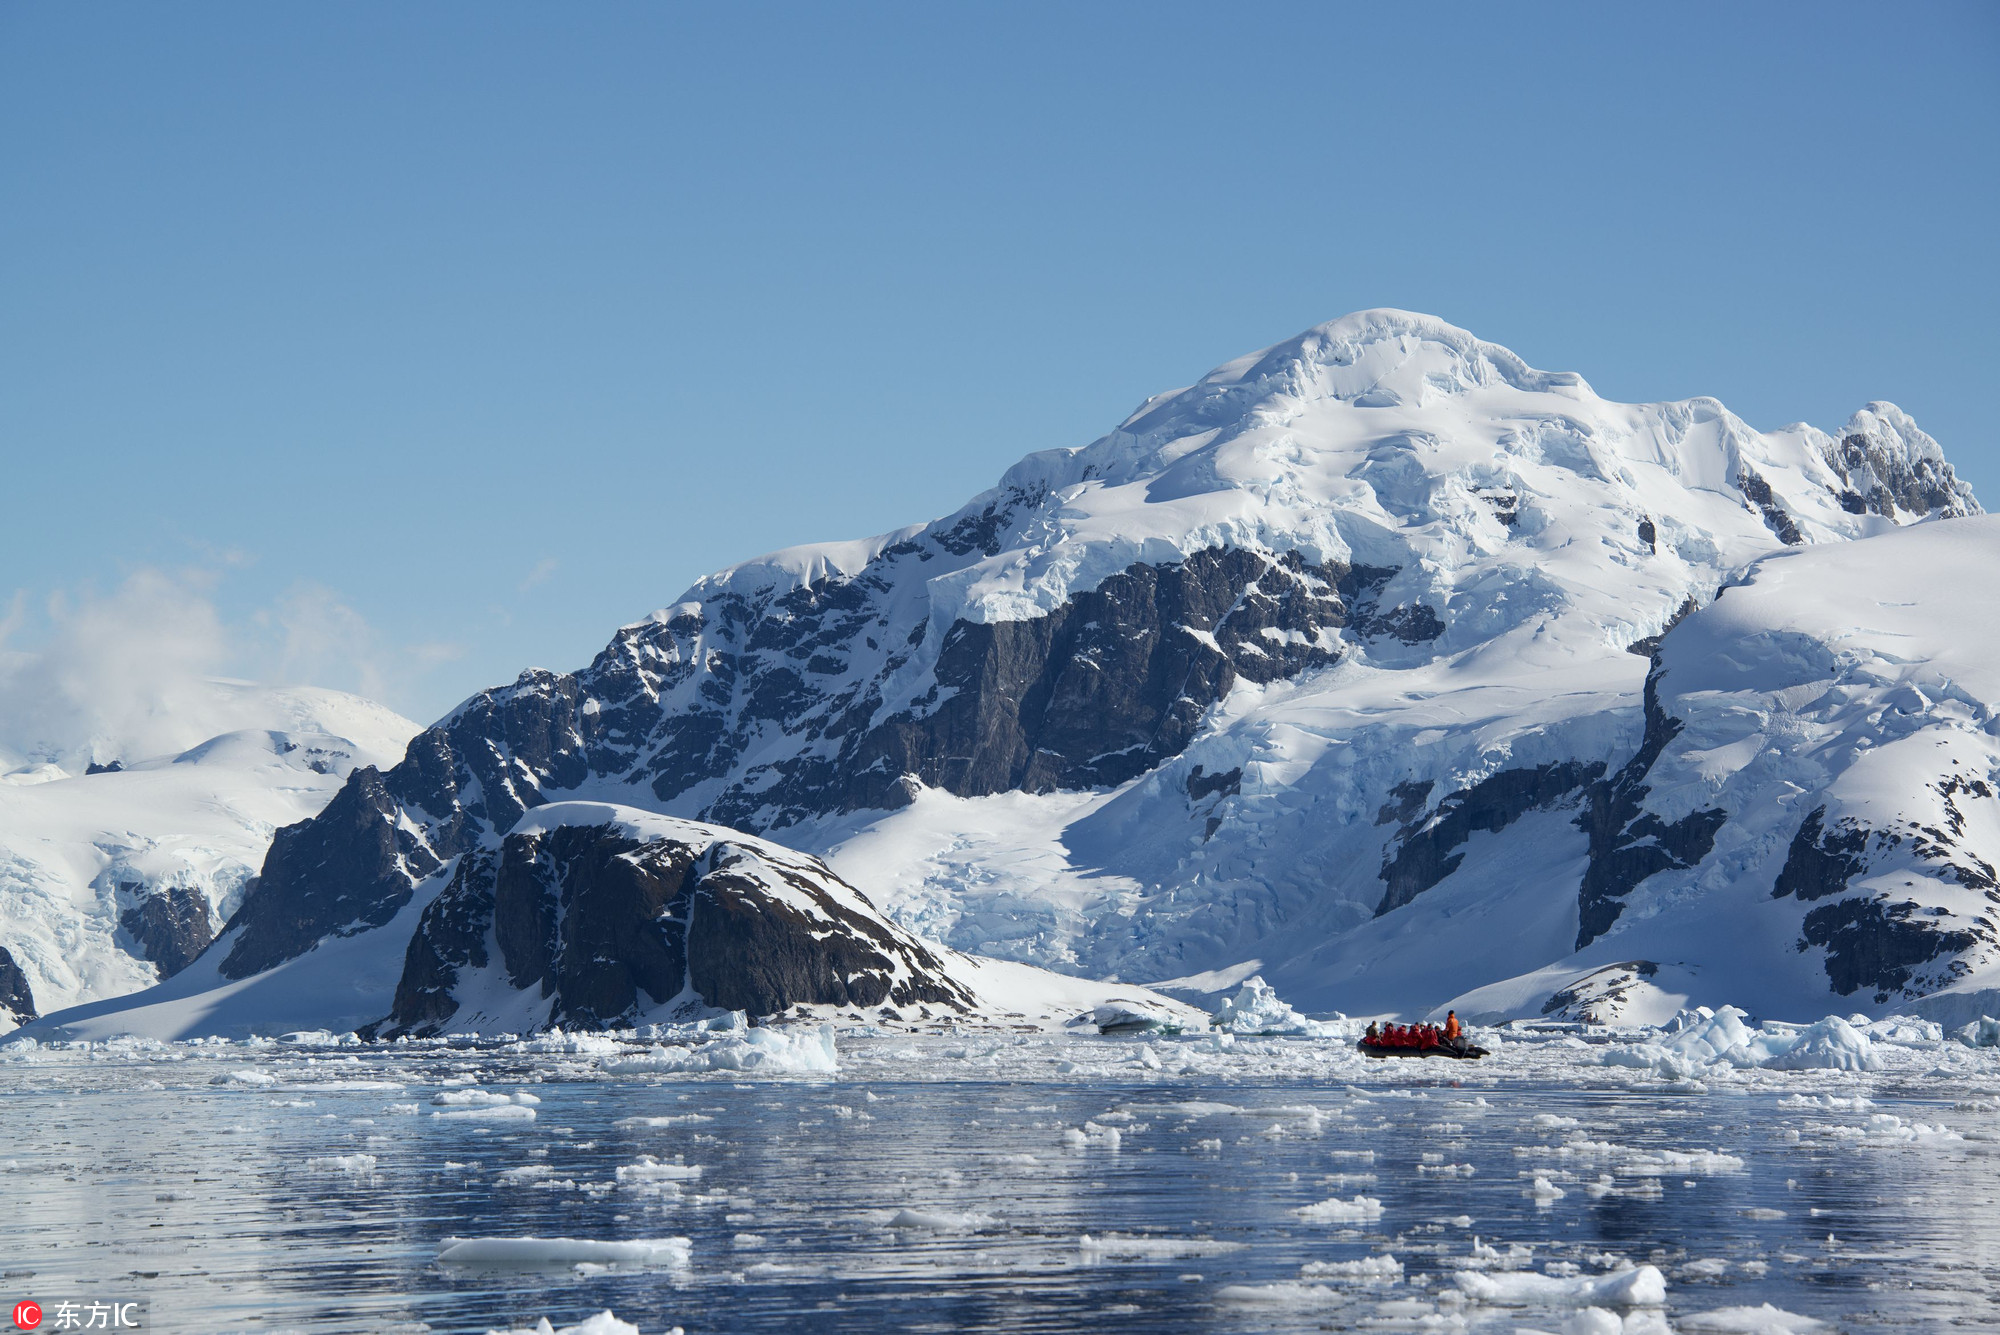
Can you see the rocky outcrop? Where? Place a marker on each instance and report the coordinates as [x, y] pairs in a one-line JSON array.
[[1099, 690], [16, 997], [1887, 466], [1627, 842], [349, 868], [1599, 997], [1776, 518], [600, 914], [1876, 941], [1427, 848], [170, 927]]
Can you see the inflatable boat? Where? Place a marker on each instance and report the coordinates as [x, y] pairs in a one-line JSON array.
[[1459, 1049]]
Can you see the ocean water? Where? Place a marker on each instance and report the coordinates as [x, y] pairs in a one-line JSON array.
[[1001, 1183]]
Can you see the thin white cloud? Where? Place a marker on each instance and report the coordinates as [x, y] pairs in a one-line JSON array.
[[133, 673], [540, 575]]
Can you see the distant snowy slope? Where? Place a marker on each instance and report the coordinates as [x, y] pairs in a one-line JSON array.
[[111, 880], [1810, 820], [1285, 664]]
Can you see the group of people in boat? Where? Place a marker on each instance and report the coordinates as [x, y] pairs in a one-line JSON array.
[[1414, 1035]]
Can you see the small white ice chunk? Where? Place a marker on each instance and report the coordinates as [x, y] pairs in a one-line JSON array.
[[532, 1252]]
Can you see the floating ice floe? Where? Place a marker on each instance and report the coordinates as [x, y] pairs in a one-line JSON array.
[[1133, 1015], [1383, 1269], [1283, 1293], [1643, 1286], [1257, 1009], [1152, 1248], [342, 1163], [1337, 1211], [245, 1076], [575, 1045], [649, 1169], [660, 1123], [538, 1252], [508, 1111], [1981, 1033], [1763, 1320], [479, 1098], [938, 1221], [1724, 1039], [604, 1323], [764, 1051]]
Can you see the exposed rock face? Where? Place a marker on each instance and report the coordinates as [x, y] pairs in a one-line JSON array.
[[1427, 850], [349, 868], [1599, 997], [16, 998], [1095, 692], [1888, 467], [171, 926], [1629, 843], [1776, 517], [606, 914], [1877, 941]]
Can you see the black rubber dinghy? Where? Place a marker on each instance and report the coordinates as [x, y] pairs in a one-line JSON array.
[[1461, 1050]]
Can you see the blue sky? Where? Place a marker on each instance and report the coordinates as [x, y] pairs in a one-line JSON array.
[[424, 343]]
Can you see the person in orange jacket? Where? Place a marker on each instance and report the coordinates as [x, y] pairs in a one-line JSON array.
[[1453, 1031]]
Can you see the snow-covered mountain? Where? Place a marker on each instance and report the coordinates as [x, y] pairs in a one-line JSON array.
[[118, 876], [1335, 663], [589, 916]]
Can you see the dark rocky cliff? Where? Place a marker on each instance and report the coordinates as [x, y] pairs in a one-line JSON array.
[[170, 926], [16, 997], [1876, 941], [757, 711], [604, 923]]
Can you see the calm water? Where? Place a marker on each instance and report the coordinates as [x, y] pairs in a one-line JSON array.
[[132, 1177]]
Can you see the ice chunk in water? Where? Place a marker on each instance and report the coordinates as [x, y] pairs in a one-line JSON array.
[[1644, 1286], [604, 1323], [1126, 1015], [1256, 1009], [1284, 1293], [764, 1051], [1337, 1211], [1764, 1320], [1383, 1269], [479, 1098], [1831, 1045], [649, 1169], [939, 1221], [1981, 1033], [497, 1112], [343, 1163], [532, 1252], [1151, 1248]]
